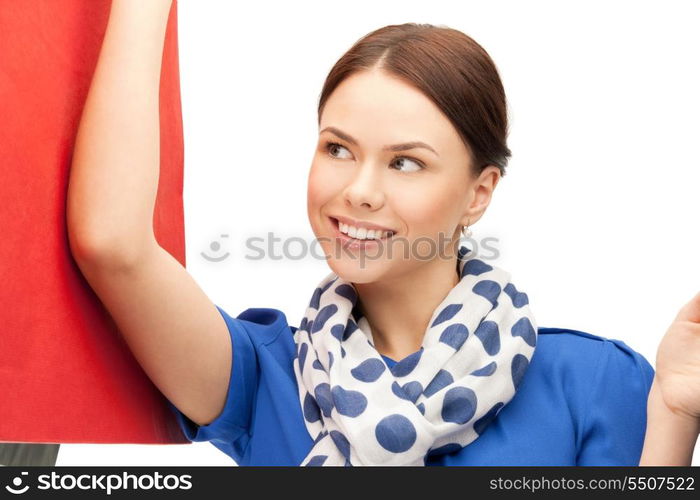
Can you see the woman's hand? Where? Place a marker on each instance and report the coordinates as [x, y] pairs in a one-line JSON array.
[[678, 362], [673, 407]]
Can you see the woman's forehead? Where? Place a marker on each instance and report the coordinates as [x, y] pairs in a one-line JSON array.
[[376, 107]]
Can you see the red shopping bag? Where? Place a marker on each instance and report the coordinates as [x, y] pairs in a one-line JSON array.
[[66, 374]]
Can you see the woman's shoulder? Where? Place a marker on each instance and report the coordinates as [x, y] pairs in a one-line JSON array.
[[605, 384], [589, 354], [263, 325], [575, 340]]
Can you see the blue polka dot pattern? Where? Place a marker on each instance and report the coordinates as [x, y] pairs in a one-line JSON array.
[[349, 329], [303, 350], [398, 390], [481, 424], [407, 364], [341, 442], [454, 335], [323, 316], [409, 391], [519, 298], [430, 402], [476, 267], [445, 450], [315, 298], [338, 331], [322, 394], [490, 337], [485, 371], [311, 411], [369, 370], [317, 294], [317, 460], [413, 390], [395, 433], [459, 405], [490, 290], [447, 314], [347, 291], [320, 436], [523, 328], [348, 403], [442, 379], [517, 368]]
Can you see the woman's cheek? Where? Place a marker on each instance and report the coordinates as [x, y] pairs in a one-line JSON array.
[[426, 212], [315, 190], [319, 194], [428, 218], [322, 182]]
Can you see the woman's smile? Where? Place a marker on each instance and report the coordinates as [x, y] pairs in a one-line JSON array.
[[357, 243]]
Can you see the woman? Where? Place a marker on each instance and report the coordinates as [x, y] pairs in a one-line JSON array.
[[412, 351]]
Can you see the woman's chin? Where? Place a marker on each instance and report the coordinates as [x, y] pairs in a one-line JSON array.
[[355, 270]]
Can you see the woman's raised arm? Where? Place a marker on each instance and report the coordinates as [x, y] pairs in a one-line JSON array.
[[171, 326]]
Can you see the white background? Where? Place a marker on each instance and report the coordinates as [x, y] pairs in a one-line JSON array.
[[596, 218]]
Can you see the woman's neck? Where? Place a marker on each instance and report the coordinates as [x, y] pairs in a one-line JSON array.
[[399, 310]]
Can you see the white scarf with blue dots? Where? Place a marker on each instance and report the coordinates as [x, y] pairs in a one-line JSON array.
[[437, 400]]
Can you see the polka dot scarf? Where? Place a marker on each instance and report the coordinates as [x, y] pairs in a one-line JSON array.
[[437, 400]]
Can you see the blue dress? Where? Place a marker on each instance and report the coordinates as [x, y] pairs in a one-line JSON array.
[[582, 401]]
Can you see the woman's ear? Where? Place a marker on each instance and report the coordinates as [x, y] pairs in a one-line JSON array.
[[480, 193]]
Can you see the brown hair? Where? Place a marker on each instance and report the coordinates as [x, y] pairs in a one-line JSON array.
[[451, 69]]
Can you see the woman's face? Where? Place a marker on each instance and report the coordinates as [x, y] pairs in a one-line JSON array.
[[387, 156]]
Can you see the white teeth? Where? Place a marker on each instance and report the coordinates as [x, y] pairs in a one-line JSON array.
[[362, 233]]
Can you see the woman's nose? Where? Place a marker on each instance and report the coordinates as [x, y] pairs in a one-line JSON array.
[[365, 187]]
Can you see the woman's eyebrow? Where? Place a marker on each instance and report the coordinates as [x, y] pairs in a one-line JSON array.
[[395, 147]]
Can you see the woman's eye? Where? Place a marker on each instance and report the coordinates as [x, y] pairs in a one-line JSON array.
[[334, 149], [410, 168]]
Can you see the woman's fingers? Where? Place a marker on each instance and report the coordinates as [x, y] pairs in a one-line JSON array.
[[690, 311]]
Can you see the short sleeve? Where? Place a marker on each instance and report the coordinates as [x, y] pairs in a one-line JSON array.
[[231, 429], [614, 421]]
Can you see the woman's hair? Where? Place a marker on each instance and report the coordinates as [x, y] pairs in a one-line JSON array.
[[451, 69]]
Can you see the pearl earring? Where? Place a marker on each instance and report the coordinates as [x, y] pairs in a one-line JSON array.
[[466, 231]]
